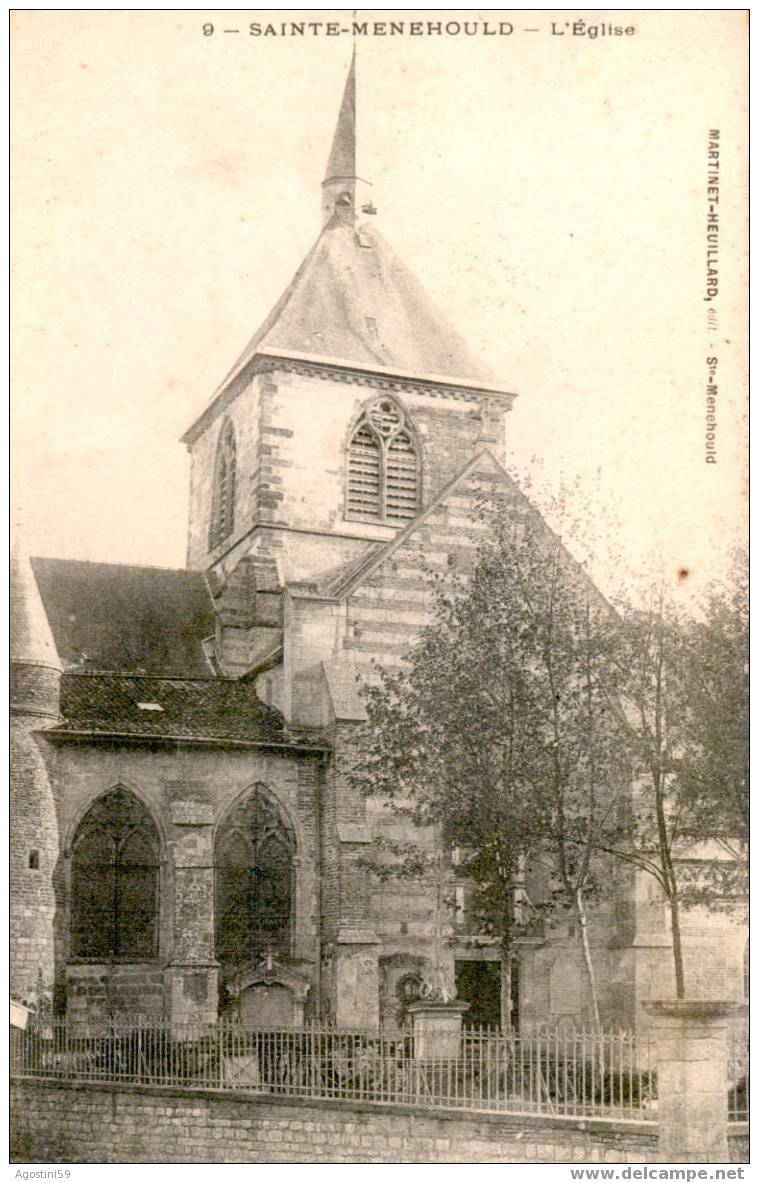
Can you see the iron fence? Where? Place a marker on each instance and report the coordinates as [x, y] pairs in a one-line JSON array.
[[738, 1073], [579, 1073]]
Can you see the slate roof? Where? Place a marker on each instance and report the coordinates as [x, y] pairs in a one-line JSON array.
[[197, 708], [148, 620], [353, 302]]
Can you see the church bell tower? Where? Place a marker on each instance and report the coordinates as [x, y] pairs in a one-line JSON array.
[[351, 407]]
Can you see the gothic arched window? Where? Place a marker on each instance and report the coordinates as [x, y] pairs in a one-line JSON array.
[[223, 502], [383, 466], [114, 898], [254, 881]]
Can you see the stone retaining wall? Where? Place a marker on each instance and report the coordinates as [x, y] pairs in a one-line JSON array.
[[103, 1123]]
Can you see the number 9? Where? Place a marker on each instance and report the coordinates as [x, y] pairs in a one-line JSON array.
[[208, 29]]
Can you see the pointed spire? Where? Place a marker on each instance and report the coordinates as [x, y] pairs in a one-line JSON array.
[[343, 191], [31, 639], [342, 159]]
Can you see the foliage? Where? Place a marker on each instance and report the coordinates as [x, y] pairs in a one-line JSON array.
[[497, 732], [534, 726], [684, 703], [713, 769]]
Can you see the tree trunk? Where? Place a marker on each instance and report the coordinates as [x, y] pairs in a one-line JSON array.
[[670, 885], [507, 946], [582, 920], [507, 964], [677, 944]]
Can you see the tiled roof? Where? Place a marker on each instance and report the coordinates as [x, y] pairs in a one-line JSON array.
[[142, 620], [199, 708]]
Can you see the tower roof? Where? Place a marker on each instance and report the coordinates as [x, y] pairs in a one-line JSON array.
[[352, 302], [31, 639]]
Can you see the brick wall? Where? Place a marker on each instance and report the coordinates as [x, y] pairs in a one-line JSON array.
[[103, 1123]]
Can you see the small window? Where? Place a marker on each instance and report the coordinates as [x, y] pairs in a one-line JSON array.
[[383, 466], [223, 502], [34, 860]]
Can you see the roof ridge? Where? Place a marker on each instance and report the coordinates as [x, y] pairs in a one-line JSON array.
[[121, 566], [79, 673]]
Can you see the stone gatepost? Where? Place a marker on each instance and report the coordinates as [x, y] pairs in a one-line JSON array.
[[437, 1028], [692, 1086], [192, 976]]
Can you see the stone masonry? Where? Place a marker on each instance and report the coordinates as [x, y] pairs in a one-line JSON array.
[[111, 1124]]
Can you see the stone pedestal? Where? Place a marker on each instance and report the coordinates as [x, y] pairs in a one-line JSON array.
[[692, 1086], [356, 980], [191, 990], [437, 1029]]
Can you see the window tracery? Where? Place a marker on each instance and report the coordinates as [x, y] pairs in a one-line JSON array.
[[254, 882], [114, 899], [383, 466]]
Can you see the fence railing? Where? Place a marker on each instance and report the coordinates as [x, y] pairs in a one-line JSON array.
[[737, 1073], [578, 1073]]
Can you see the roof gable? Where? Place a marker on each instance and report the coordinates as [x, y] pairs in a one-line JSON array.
[[483, 464]]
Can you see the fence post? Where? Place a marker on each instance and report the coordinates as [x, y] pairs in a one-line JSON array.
[[692, 1085]]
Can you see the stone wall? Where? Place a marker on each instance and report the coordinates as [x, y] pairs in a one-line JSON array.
[[382, 617], [244, 415], [34, 857], [104, 1123], [94, 991], [292, 426], [188, 793]]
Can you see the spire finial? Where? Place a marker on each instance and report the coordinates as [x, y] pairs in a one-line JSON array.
[[341, 177], [342, 159]]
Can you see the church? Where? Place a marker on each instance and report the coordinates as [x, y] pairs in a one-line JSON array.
[[185, 840]]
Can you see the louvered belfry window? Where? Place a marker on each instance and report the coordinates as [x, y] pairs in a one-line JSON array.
[[223, 505], [383, 466]]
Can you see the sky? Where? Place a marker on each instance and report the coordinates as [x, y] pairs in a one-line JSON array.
[[550, 191]]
